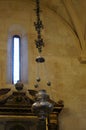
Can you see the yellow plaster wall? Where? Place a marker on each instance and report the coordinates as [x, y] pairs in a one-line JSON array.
[[62, 50]]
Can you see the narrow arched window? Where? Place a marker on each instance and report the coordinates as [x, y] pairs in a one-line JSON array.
[[17, 56], [16, 59]]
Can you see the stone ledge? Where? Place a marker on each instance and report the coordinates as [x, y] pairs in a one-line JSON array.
[[82, 59]]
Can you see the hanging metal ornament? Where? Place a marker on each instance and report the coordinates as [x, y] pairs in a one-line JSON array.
[[39, 45], [42, 105], [38, 26]]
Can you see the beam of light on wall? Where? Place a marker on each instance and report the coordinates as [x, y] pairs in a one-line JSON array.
[[16, 60]]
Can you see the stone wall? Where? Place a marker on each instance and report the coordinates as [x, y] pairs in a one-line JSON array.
[[61, 51]]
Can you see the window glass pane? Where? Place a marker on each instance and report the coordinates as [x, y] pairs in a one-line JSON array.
[[16, 59]]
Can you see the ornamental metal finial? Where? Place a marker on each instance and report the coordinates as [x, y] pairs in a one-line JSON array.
[[38, 26]]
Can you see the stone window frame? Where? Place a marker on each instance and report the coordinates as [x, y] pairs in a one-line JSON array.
[[18, 30]]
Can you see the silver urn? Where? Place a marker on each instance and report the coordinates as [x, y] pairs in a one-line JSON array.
[[42, 107]]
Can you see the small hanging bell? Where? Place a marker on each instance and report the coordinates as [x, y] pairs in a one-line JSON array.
[[38, 79], [36, 85], [49, 83]]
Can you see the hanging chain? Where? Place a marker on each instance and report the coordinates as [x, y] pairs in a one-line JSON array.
[[39, 45], [38, 26]]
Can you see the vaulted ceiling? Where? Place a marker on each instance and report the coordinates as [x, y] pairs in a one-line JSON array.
[[63, 7], [58, 6], [72, 13]]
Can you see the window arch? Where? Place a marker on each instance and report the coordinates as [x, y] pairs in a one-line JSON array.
[[20, 39]]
